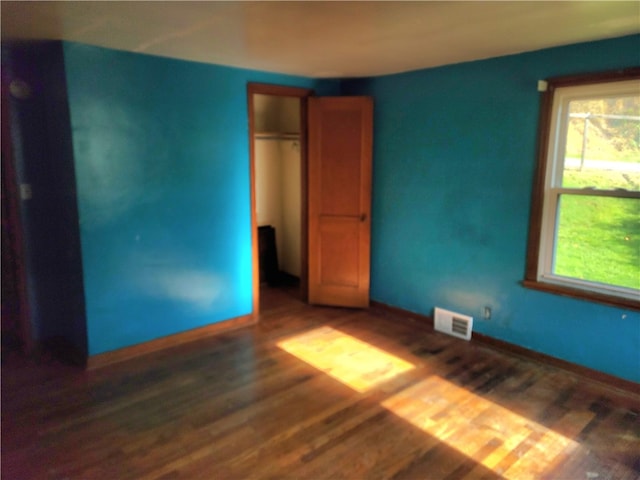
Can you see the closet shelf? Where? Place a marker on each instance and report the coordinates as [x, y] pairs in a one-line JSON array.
[[276, 135]]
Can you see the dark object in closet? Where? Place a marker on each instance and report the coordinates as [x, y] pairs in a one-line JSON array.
[[268, 255]]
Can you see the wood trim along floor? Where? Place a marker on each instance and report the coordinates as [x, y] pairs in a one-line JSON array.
[[425, 321], [114, 356]]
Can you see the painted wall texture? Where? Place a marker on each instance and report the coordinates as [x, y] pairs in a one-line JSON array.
[[161, 152], [454, 158]]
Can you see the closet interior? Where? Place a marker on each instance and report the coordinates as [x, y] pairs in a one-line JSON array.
[[277, 151]]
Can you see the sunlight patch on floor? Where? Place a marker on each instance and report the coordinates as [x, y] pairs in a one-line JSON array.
[[495, 437], [486, 432], [353, 362]]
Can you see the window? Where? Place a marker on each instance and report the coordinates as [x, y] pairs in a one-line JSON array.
[[585, 233]]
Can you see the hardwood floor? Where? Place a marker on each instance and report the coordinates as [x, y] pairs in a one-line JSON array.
[[315, 393]]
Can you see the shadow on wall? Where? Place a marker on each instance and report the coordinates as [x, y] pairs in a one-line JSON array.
[[43, 156]]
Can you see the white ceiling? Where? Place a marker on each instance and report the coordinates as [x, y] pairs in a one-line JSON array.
[[323, 39]]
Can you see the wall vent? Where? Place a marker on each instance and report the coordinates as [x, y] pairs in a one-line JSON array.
[[452, 323]]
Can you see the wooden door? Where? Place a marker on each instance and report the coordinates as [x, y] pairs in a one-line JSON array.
[[339, 222]]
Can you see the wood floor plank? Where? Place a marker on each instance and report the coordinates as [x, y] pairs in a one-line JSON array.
[[412, 404]]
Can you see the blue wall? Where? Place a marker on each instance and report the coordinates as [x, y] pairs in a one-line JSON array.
[[454, 158], [161, 151]]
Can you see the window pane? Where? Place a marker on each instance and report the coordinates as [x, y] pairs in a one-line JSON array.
[[603, 144], [598, 240]]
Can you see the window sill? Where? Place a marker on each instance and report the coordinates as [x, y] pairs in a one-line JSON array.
[[610, 300]]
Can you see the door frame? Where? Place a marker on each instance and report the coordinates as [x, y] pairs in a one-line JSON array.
[[302, 94]]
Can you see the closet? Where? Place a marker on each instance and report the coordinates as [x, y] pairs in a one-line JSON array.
[[277, 150]]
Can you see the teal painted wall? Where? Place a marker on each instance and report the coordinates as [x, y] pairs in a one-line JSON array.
[[454, 158], [161, 152]]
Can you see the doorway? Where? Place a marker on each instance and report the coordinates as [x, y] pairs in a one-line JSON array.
[[277, 127], [15, 325]]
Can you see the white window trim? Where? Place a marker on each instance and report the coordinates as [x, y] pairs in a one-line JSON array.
[[553, 189]]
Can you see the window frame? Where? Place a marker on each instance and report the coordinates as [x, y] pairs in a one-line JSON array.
[[540, 242]]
